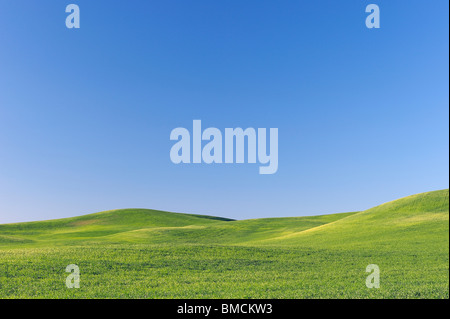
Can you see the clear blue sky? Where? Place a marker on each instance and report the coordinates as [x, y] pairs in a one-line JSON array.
[[85, 115]]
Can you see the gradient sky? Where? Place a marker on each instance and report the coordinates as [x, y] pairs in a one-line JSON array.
[[85, 115]]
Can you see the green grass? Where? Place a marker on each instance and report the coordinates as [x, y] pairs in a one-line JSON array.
[[139, 253]]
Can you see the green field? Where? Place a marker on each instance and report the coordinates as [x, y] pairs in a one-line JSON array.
[[140, 253]]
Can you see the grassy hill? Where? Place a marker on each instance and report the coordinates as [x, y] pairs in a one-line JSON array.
[[414, 222], [98, 225], [140, 253], [150, 226]]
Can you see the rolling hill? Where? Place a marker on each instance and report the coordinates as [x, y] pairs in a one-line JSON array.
[[170, 255], [416, 221]]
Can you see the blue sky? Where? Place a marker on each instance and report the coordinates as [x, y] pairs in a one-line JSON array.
[[86, 114]]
